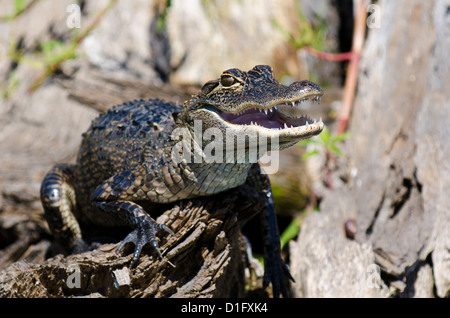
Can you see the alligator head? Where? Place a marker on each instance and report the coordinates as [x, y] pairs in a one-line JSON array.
[[254, 102]]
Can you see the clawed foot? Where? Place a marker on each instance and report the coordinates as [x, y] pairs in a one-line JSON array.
[[142, 235], [277, 272]]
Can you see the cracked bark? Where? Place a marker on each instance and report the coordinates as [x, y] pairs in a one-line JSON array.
[[205, 258], [399, 149]]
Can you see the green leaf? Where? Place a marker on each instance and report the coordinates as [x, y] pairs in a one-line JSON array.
[[342, 137], [309, 154], [8, 88], [291, 231], [308, 141], [325, 136], [306, 34], [55, 52], [19, 5], [336, 150]]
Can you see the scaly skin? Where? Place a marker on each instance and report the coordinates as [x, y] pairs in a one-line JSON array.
[[134, 153]]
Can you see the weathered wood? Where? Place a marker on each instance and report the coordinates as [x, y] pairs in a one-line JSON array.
[[205, 258], [398, 173]]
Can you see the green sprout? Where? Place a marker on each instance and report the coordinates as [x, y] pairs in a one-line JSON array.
[[327, 141], [307, 34], [20, 6], [8, 87], [291, 231], [51, 54]]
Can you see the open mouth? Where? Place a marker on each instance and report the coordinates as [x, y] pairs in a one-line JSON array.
[[281, 116]]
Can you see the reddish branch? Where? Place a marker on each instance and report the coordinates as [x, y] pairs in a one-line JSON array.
[[352, 71]]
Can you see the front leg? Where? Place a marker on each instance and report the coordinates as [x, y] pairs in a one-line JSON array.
[[276, 271], [114, 198]]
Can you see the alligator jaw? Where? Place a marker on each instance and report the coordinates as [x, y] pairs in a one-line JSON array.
[[273, 117], [271, 121]]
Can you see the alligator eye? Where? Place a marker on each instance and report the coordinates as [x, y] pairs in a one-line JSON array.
[[227, 81]]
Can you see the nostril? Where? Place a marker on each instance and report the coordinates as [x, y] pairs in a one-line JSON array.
[[306, 85]]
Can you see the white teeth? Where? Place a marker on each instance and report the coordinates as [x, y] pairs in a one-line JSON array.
[[293, 104], [285, 125], [271, 110], [307, 123], [265, 111]]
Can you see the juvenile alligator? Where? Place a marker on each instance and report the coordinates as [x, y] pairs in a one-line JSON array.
[[144, 151]]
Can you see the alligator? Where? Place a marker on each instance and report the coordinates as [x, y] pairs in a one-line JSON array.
[[144, 151]]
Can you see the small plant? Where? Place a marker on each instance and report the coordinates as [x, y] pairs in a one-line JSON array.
[[328, 141], [49, 55], [292, 230], [162, 16], [307, 35], [20, 6], [53, 54], [8, 87], [329, 144]]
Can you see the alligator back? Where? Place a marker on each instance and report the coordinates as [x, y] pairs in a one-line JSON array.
[[116, 140]]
